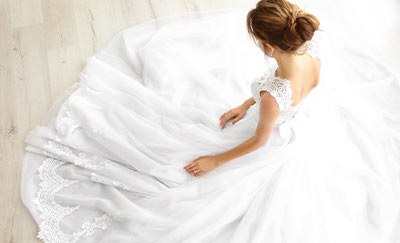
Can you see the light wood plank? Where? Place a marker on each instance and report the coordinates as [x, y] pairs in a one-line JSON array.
[[59, 22], [24, 98], [64, 67], [25, 13]]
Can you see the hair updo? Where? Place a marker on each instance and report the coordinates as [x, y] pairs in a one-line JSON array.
[[281, 23]]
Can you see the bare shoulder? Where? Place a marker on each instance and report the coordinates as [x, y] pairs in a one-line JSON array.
[[268, 105], [269, 112]]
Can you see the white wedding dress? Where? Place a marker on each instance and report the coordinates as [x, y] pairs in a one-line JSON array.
[[106, 164]]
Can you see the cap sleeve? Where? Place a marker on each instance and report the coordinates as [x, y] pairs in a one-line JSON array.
[[278, 88], [313, 46]]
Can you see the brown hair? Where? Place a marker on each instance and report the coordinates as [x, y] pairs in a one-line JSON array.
[[281, 23]]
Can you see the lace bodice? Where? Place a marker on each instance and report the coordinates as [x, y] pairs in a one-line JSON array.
[[280, 88]]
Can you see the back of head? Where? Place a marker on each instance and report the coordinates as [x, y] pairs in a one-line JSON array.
[[281, 23]]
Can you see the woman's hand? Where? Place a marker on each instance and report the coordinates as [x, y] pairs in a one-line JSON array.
[[201, 165], [237, 112]]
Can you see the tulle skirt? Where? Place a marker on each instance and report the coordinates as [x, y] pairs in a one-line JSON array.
[[106, 163]]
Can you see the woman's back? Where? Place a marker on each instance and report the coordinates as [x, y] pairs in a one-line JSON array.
[[303, 78]]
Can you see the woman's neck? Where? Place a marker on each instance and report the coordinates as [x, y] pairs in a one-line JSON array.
[[288, 64]]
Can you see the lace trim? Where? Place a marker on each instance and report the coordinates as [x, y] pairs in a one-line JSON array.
[[52, 213], [312, 47], [68, 123], [92, 162], [278, 87]]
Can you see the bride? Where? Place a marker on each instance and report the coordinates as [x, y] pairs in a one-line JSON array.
[[280, 29], [137, 151]]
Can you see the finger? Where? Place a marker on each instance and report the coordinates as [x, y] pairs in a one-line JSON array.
[[226, 115], [190, 166], [235, 120], [194, 167], [222, 116], [190, 170], [224, 121]]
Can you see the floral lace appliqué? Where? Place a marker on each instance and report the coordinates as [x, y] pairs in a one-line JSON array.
[[82, 159], [69, 120], [279, 88], [85, 160], [52, 213], [312, 46], [312, 49]]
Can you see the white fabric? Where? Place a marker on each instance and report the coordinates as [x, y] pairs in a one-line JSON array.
[[106, 164]]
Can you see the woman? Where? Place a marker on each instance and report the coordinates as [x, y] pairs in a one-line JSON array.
[[280, 29], [311, 157]]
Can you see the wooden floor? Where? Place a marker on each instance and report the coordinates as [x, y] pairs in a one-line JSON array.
[[43, 47]]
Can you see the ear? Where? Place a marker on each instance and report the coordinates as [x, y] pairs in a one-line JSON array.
[[270, 47]]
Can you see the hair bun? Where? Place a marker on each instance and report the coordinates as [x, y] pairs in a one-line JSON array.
[[281, 23], [300, 28]]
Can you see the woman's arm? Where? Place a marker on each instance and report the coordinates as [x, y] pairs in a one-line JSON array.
[[269, 112], [248, 146], [249, 102]]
